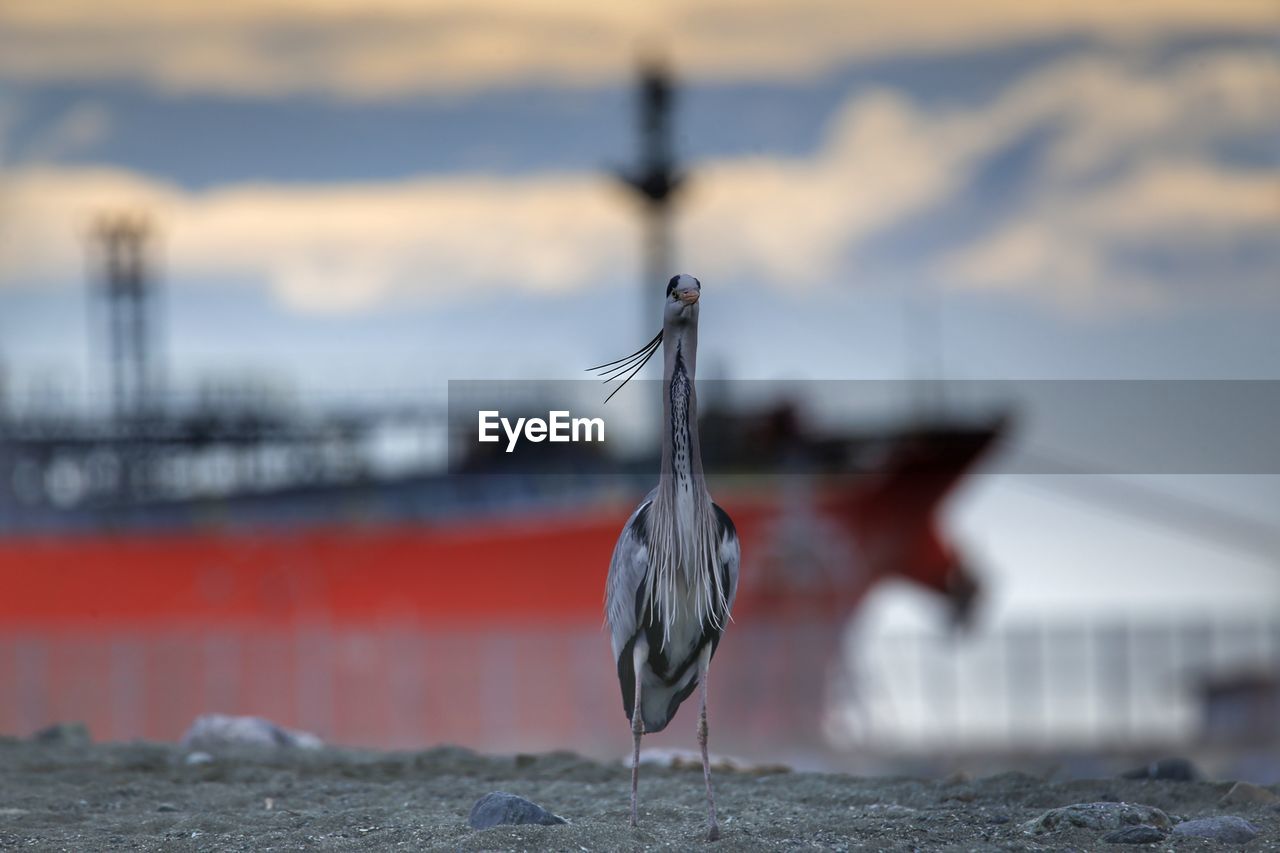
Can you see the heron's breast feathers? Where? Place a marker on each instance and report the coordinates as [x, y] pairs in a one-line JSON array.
[[685, 585]]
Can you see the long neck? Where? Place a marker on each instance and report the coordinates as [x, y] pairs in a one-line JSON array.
[[681, 453], [685, 579]]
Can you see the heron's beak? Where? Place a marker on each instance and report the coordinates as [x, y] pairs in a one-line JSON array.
[[689, 297]]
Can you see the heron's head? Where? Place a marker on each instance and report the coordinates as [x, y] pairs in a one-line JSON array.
[[681, 305], [679, 311]]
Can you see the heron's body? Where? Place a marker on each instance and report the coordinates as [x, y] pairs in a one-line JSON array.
[[669, 673], [674, 572]]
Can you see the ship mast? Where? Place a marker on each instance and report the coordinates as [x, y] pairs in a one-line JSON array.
[[655, 181], [126, 291]]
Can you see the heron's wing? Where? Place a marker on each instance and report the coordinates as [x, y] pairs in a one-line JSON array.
[[627, 572], [730, 555]]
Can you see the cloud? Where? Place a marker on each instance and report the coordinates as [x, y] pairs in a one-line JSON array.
[[1109, 109], [1126, 207], [793, 222], [1166, 234], [391, 47], [1132, 207], [334, 248]]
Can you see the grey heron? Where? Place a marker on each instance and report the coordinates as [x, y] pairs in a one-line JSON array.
[[674, 572]]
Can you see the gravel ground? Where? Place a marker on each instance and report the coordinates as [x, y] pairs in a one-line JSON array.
[[144, 796]]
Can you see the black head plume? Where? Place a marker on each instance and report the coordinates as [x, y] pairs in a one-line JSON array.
[[630, 365]]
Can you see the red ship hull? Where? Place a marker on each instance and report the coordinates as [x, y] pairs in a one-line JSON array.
[[486, 633]]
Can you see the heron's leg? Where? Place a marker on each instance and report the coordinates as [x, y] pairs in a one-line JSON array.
[[713, 826], [640, 654]]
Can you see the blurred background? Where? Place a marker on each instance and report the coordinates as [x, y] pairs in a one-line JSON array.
[[246, 247]]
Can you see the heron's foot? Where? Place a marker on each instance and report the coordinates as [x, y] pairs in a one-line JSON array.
[[634, 822], [713, 831]]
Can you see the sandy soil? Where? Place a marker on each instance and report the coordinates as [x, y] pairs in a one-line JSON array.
[[144, 797]]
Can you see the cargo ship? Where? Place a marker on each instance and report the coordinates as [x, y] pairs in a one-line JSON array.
[[459, 606]]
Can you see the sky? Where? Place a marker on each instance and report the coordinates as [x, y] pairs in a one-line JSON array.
[[371, 198]]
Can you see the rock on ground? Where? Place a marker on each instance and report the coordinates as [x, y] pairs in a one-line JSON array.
[[211, 732], [500, 808], [1228, 828], [1098, 816], [1247, 792]]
